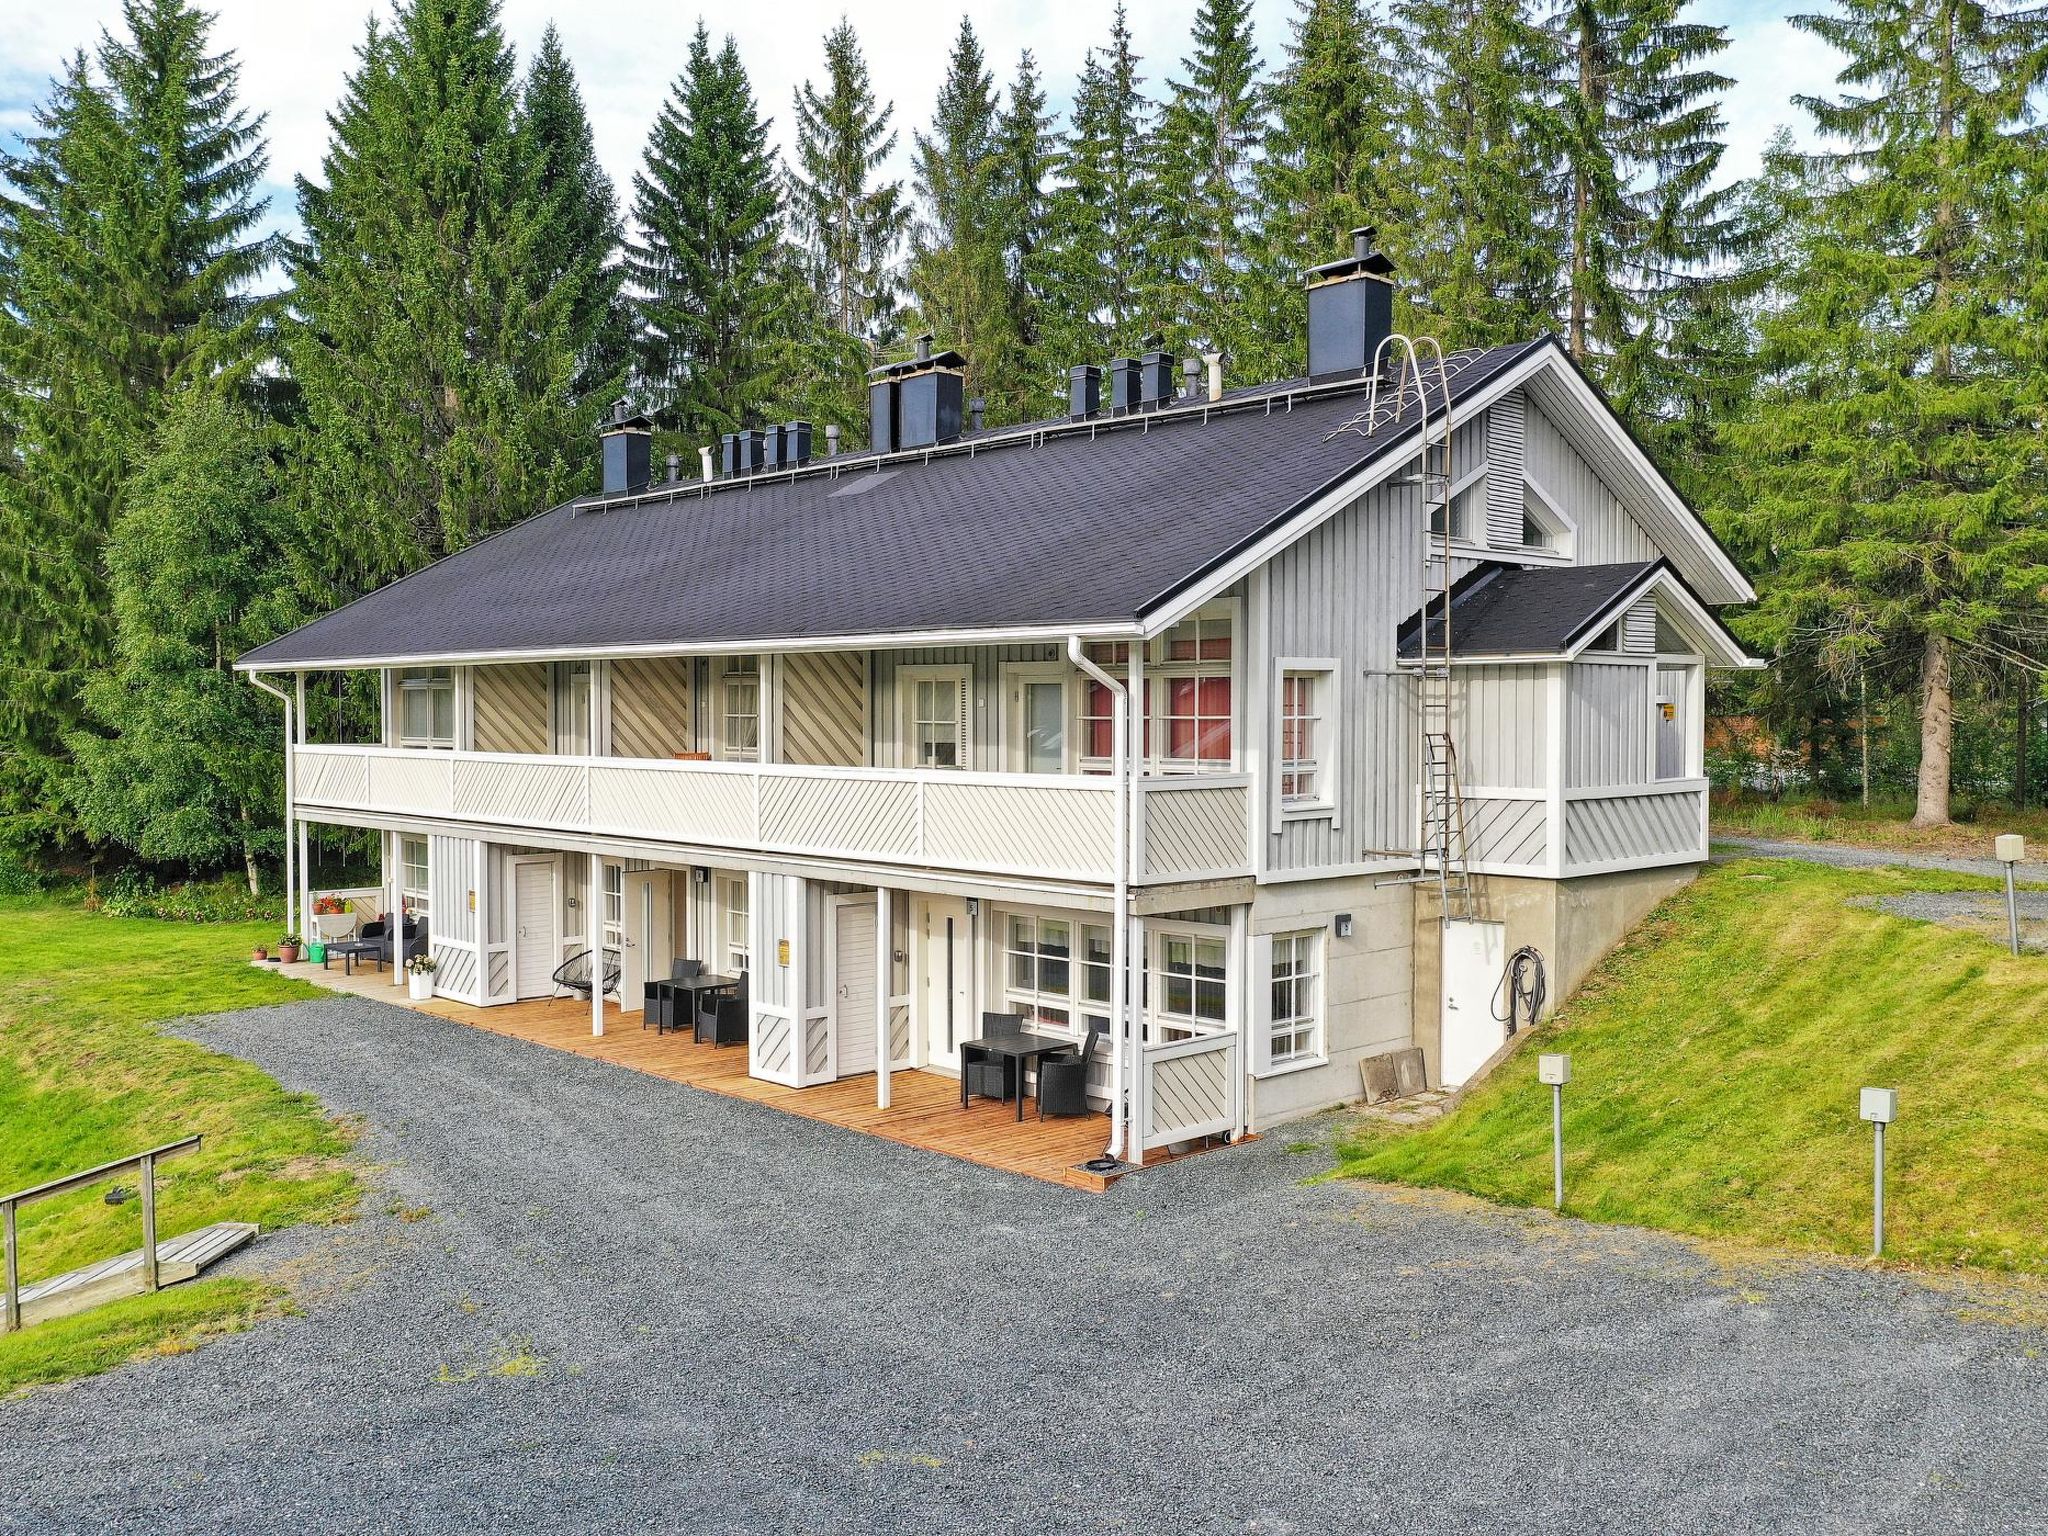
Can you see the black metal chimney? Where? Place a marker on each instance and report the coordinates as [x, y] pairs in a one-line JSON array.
[[1123, 384], [1084, 391], [627, 441], [883, 411], [920, 401], [1350, 310], [1155, 376], [975, 411], [743, 451], [796, 444]]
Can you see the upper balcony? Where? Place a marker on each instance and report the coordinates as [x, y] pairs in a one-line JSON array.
[[1043, 826]]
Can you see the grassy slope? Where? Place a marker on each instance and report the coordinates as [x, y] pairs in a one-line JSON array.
[[1716, 1059], [84, 1078]]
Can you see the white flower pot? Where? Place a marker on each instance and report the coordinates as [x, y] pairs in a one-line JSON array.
[[420, 984]]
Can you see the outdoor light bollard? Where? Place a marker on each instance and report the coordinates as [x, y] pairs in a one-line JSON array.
[[2011, 848], [1880, 1107], [1556, 1071]]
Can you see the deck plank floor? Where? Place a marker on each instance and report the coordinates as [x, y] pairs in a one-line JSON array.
[[924, 1111]]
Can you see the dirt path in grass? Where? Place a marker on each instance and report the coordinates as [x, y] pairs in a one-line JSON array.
[[1858, 856]]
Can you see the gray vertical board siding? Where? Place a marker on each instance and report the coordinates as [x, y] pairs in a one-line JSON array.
[[1607, 534], [1500, 722], [1338, 592], [985, 746], [1607, 724]]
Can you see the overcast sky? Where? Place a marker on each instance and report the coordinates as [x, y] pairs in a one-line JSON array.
[[295, 54]]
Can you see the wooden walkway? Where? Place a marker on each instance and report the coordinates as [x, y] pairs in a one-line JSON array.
[[925, 1110], [177, 1258]]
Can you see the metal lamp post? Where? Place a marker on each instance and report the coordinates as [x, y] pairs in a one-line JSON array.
[[1556, 1071], [1880, 1107], [2011, 848]]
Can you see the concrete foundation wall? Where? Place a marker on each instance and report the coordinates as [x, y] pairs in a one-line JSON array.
[[1571, 923], [1367, 986]]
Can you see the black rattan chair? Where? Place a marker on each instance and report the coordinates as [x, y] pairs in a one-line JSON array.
[[724, 1025], [1063, 1079]]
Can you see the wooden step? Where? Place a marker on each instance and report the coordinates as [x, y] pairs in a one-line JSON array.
[[177, 1259]]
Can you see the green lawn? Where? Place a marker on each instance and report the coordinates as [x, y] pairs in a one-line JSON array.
[[1716, 1060], [85, 1078]]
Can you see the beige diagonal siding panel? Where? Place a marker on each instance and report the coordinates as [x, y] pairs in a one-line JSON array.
[[825, 709], [512, 708], [651, 707]]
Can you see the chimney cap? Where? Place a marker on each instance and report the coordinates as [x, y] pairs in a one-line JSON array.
[[924, 362], [624, 419], [1363, 261]]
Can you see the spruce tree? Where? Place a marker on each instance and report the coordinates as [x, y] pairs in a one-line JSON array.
[[723, 314], [436, 358], [958, 271], [1328, 166], [1891, 464], [578, 215], [127, 248], [1481, 245], [1102, 274], [1026, 151], [1208, 136], [188, 768], [1645, 222], [849, 219]]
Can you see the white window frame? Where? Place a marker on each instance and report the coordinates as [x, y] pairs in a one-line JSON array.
[[1166, 1026], [1021, 675], [1309, 1022], [431, 682], [1564, 542], [1148, 747], [415, 898], [1321, 672], [1074, 1002], [959, 676], [732, 907], [612, 922], [729, 679]]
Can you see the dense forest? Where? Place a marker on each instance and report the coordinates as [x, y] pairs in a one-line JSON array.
[[208, 435]]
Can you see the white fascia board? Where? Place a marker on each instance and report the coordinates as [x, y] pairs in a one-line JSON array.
[[1179, 604], [1055, 634], [1593, 428], [1676, 604]]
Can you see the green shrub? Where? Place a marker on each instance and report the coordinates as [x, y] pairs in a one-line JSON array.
[[134, 893]]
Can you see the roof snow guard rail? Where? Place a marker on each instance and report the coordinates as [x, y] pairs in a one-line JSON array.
[[1283, 397]]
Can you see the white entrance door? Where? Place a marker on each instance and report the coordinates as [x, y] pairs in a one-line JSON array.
[[853, 983], [646, 934], [1035, 719], [945, 971], [536, 927], [1474, 953]]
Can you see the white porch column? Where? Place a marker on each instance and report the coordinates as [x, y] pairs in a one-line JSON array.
[[885, 974], [1139, 752], [593, 924]]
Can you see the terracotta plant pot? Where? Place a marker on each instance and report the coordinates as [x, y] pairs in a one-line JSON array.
[[287, 953], [259, 953]]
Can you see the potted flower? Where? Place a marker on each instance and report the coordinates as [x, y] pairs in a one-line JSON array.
[[288, 948], [419, 977], [329, 905], [260, 952]]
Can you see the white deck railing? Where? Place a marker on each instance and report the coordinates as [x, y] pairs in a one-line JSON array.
[[1042, 825], [1190, 1088]]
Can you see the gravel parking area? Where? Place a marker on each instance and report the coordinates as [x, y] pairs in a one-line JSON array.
[[588, 1300], [1853, 856]]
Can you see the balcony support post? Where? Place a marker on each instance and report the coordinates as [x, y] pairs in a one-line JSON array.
[[1121, 989], [290, 809], [885, 976]]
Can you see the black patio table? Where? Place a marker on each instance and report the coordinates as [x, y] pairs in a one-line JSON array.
[[664, 993], [1025, 1050]]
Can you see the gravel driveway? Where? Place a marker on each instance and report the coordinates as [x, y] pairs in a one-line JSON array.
[[622, 1305]]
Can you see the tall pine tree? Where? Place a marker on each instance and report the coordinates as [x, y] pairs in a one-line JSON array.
[[578, 215], [1026, 151], [436, 357], [958, 272], [1329, 165], [726, 323], [1645, 222], [1208, 137], [849, 217], [1892, 464], [1103, 280], [127, 248]]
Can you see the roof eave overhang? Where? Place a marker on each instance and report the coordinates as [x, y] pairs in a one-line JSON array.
[[1046, 634]]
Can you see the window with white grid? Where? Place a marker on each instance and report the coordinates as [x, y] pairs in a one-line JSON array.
[[739, 696], [1296, 1023], [1189, 990], [1305, 769], [1047, 981], [732, 915], [412, 875], [426, 707]]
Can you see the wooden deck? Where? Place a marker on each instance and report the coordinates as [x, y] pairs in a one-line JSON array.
[[925, 1110], [178, 1259]]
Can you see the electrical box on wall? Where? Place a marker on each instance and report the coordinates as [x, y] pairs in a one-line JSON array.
[[1342, 925]]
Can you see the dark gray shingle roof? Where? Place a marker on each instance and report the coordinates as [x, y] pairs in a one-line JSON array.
[[1073, 529], [1502, 610]]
